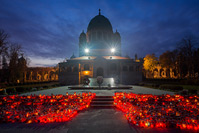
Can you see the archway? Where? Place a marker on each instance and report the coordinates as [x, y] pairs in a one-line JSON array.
[[168, 73], [100, 71]]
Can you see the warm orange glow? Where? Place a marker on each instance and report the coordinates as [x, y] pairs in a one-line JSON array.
[[146, 110], [62, 107], [86, 72]]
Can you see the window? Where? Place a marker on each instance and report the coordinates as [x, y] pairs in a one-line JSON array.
[[86, 67]]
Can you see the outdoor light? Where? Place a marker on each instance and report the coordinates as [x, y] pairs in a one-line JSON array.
[[62, 107], [112, 80], [112, 50], [159, 111], [87, 50]]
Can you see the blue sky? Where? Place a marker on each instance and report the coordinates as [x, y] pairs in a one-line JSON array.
[[48, 30]]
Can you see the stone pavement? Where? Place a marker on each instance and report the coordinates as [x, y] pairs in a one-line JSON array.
[[136, 89]]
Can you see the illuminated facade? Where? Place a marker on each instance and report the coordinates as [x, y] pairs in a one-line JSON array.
[[100, 55], [161, 73], [41, 74]]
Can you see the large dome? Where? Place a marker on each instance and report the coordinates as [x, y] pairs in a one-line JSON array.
[[99, 22], [99, 38]]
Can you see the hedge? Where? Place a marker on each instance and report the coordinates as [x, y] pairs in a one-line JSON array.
[[10, 90], [2, 92], [20, 89], [171, 87]]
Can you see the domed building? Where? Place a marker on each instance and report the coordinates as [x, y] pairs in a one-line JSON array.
[[99, 38], [100, 55]]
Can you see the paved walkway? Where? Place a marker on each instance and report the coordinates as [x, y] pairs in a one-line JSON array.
[[136, 89]]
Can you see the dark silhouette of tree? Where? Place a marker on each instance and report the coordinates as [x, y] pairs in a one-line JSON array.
[[4, 63], [196, 62], [168, 59], [14, 53], [3, 44], [17, 64], [185, 60]]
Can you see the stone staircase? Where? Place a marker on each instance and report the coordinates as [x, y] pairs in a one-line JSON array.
[[102, 102]]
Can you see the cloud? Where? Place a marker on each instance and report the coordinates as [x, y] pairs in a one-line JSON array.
[[50, 30], [38, 61]]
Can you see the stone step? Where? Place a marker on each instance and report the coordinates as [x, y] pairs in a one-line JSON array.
[[103, 96], [102, 106], [103, 99], [102, 102]]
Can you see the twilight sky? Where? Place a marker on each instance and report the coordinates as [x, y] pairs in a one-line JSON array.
[[48, 30]]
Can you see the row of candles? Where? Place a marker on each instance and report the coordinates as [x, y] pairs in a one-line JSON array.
[[160, 111], [43, 108]]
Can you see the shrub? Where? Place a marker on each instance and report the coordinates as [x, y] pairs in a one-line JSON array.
[[10, 91], [58, 85], [40, 88], [45, 87], [20, 89], [141, 84], [28, 88], [2, 92], [171, 87], [53, 85], [193, 91], [34, 89], [184, 92]]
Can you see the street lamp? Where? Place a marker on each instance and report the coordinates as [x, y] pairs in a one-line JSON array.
[[113, 50], [86, 50]]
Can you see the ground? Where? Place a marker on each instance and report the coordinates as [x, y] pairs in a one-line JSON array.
[[135, 89], [91, 120]]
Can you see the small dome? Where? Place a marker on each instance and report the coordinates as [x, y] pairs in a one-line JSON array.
[[83, 34], [100, 22], [73, 56], [117, 33]]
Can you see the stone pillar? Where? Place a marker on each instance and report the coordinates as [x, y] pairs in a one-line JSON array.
[[159, 74]]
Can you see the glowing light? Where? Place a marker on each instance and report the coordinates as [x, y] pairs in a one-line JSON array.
[[146, 110], [86, 72], [113, 50], [58, 111], [86, 50], [112, 80]]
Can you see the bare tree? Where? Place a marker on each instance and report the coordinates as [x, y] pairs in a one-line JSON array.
[[15, 51], [186, 56], [3, 44]]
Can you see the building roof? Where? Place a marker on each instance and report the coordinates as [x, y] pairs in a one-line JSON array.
[[105, 57], [73, 56], [115, 57]]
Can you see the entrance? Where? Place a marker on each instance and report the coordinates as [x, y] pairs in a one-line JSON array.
[[100, 71]]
